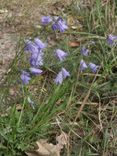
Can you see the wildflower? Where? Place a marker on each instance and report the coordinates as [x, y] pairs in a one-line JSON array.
[[31, 47], [55, 26], [61, 54], [25, 77], [39, 43], [35, 71], [59, 24], [93, 67], [63, 74], [83, 65], [84, 51], [46, 20], [36, 59], [59, 78], [34, 47], [111, 39]]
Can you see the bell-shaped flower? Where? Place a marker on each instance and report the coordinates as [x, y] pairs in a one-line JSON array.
[[59, 24], [93, 67], [35, 71], [83, 65], [25, 77], [85, 51], [111, 39], [45, 20], [61, 54], [31, 47], [39, 43], [36, 59], [63, 74], [59, 78]]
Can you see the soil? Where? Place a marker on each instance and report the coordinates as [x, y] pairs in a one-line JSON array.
[[7, 51]]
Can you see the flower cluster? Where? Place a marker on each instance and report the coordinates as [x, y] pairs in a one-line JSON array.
[[83, 65], [111, 40], [36, 59], [61, 54], [25, 77], [57, 23], [36, 48]]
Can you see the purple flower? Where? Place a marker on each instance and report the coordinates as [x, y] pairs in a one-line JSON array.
[[31, 47], [84, 51], [111, 39], [93, 67], [59, 78], [83, 65], [35, 71], [36, 59], [39, 43], [63, 74], [34, 47], [61, 54], [55, 26], [25, 77], [59, 24], [46, 20]]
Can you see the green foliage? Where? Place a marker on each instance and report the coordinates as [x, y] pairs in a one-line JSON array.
[[94, 132]]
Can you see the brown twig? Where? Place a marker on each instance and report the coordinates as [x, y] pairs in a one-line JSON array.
[[85, 99]]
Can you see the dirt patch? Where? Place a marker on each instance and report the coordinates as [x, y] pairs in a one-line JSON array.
[[7, 51], [22, 16]]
